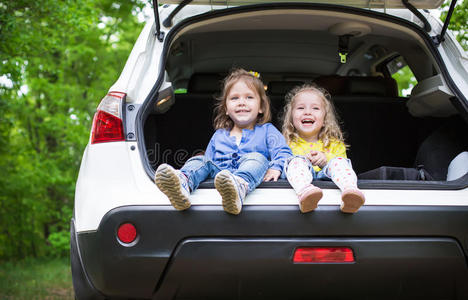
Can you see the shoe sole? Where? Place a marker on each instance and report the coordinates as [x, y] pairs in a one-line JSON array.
[[352, 201], [310, 202], [226, 187], [168, 182]]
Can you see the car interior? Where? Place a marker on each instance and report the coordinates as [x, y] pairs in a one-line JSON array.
[[390, 136]]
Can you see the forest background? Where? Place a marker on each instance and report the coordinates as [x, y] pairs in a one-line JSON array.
[[57, 61]]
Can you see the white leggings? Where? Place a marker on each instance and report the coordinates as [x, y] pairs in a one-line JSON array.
[[300, 173]]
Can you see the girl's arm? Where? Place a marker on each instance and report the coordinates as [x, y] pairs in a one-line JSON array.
[[278, 149], [210, 149]]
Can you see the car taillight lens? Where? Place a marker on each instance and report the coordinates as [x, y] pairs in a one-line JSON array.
[[323, 255], [107, 122], [127, 233]]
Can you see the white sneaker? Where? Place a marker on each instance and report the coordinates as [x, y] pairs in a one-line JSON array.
[[232, 189], [174, 185]]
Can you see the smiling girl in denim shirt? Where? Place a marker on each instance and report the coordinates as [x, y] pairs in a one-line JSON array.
[[244, 150]]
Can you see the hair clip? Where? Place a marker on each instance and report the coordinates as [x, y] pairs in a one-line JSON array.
[[254, 74]]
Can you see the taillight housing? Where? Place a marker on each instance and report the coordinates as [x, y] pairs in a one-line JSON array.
[[107, 122], [323, 255]]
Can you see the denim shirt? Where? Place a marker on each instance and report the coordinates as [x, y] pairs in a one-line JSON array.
[[264, 139]]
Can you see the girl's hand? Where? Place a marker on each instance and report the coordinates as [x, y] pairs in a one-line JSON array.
[[272, 174], [317, 158]]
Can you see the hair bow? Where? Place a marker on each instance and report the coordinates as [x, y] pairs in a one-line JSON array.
[[255, 74]]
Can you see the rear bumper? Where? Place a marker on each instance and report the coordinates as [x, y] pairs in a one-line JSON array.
[[204, 253]]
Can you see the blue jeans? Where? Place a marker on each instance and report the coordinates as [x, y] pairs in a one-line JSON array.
[[323, 174], [252, 168]]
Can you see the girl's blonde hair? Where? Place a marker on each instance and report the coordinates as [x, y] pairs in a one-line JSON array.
[[330, 130], [222, 120]]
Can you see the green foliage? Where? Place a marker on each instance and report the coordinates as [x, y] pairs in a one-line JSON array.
[[459, 21], [60, 242], [405, 80], [36, 279], [57, 61]]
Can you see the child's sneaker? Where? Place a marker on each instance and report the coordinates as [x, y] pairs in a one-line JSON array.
[[232, 189], [309, 198], [352, 200], [174, 185]]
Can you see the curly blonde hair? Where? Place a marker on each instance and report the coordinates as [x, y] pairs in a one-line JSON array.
[[222, 120], [330, 130]]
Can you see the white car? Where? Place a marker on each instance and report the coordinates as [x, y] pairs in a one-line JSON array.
[[409, 240]]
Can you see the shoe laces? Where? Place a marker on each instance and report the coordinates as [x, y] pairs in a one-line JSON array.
[[183, 180]]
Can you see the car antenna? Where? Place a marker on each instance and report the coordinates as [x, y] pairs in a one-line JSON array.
[[168, 21], [440, 37], [159, 34]]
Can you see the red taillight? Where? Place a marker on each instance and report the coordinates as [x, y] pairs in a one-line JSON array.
[[323, 255], [127, 233], [107, 123], [106, 128]]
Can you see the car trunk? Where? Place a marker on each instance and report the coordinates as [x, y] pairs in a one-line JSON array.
[[289, 48]]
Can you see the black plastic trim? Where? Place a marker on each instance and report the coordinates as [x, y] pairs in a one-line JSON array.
[[83, 287], [458, 184], [415, 11], [460, 103], [134, 272], [262, 268], [130, 112]]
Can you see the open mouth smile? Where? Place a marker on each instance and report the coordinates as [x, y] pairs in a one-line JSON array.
[[307, 121]]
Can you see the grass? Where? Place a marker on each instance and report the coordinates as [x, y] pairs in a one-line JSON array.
[[36, 279]]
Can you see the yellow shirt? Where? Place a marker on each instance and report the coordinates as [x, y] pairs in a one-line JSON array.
[[334, 149]]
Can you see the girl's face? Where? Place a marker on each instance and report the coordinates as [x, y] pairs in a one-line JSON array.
[[308, 114], [243, 105]]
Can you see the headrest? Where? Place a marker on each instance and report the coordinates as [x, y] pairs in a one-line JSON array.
[[334, 84], [379, 86], [355, 85], [282, 87], [204, 83]]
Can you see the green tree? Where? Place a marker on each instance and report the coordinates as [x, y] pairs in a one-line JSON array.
[[57, 60], [459, 21]]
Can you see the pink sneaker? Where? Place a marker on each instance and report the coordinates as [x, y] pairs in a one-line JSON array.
[[309, 198], [352, 200]]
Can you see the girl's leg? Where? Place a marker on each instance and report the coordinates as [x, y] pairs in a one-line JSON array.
[[233, 187], [299, 174], [177, 184], [342, 174]]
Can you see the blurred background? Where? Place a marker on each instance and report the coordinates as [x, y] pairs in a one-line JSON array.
[[58, 58]]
